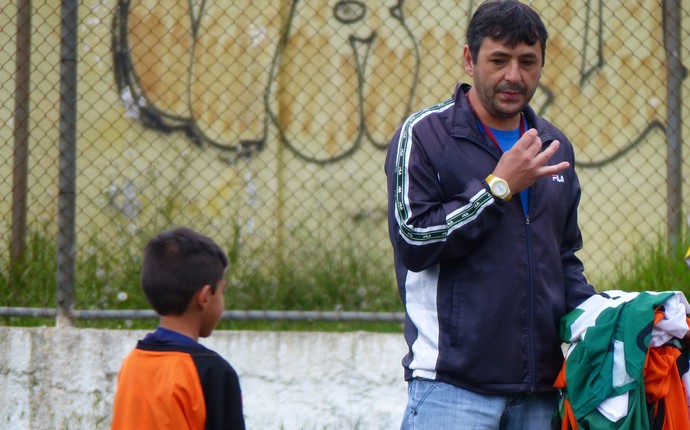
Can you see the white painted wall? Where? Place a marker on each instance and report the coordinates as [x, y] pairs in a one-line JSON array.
[[64, 378]]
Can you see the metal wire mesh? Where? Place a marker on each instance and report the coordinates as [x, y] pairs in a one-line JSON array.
[[264, 124]]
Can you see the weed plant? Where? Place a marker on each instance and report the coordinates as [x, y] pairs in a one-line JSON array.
[[310, 280], [654, 267], [107, 270]]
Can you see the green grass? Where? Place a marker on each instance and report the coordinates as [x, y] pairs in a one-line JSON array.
[[654, 267], [32, 282], [315, 277], [311, 280]]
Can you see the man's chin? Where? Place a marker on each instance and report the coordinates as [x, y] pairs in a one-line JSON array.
[[508, 112], [510, 106]]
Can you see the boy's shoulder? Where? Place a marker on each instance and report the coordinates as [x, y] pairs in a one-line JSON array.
[[198, 353], [170, 365], [201, 355]]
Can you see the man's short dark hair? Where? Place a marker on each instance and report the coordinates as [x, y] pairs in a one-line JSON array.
[[177, 263], [506, 20]]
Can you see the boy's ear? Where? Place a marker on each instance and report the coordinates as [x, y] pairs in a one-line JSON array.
[[203, 296]]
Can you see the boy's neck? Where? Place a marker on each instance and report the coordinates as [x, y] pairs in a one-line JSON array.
[[180, 325]]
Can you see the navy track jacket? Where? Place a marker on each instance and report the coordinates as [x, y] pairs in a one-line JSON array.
[[484, 286]]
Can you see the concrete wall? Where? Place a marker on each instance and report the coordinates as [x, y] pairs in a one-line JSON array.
[[65, 378]]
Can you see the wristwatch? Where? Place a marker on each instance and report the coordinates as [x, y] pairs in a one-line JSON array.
[[499, 187]]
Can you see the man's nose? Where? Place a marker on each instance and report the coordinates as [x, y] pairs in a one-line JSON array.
[[513, 72]]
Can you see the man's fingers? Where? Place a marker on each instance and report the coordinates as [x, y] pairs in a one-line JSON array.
[[556, 168], [543, 157], [527, 139], [527, 162], [550, 150], [550, 170]]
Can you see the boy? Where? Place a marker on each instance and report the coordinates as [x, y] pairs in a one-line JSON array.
[[170, 381]]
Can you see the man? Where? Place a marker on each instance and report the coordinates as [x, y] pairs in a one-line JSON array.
[[485, 278]]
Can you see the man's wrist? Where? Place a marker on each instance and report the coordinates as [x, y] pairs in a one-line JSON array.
[[498, 187]]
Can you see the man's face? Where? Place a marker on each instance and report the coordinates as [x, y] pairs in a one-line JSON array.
[[505, 78]]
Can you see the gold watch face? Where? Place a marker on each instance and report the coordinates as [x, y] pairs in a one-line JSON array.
[[499, 188]]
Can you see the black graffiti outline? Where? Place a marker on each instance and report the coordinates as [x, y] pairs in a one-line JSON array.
[[586, 75], [655, 125], [151, 117], [363, 130], [127, 80]]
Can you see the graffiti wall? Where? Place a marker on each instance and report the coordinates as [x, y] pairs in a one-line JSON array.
[[270, 119]]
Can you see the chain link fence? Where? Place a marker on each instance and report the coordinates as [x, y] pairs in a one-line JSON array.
[[264, 124]]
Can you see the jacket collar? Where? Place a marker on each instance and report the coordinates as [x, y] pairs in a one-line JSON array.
[[465, 125]]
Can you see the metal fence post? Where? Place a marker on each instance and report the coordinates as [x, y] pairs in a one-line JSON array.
[[22, 107], [68, 153], [672, 37]]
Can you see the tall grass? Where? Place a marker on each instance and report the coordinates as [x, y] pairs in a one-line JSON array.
[[32, 281], [654, 267], [308, 280]]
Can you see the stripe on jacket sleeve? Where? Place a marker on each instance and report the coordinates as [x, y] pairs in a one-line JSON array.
[[421, 306], [454, 220]]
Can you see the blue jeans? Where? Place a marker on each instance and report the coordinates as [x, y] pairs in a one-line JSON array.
[[434, 405]]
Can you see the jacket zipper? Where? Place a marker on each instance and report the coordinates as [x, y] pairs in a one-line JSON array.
[[530, 280], [531, 359]]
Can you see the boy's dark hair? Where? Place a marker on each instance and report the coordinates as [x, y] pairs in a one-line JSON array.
[[506, 20], [177, 263]]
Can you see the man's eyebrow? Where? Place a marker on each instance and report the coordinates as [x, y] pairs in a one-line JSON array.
[[504, 54], [529, 54], [501, 54]]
